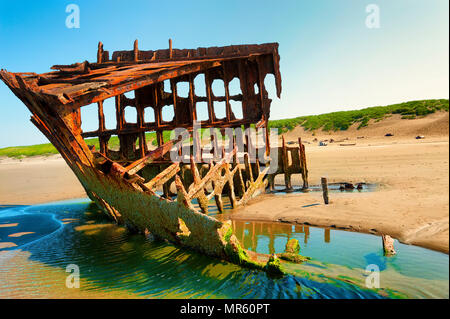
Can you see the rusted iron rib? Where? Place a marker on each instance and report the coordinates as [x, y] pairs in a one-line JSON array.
[[164, 176], [77, 68], [136, 166], [210, 175], [200, 195], [120, 188]]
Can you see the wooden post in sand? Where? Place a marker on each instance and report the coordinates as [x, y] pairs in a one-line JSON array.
[[325, 190], [327, 235], [388, 245]]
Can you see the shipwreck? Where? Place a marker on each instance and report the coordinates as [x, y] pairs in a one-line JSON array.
[[142, 186]]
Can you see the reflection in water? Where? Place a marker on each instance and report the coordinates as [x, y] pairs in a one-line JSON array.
[[249, 232], [349, 249], [116, 263], [327, 235]]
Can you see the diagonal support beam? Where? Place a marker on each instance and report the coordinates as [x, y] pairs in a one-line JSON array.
[[136, 166], [164, 176]]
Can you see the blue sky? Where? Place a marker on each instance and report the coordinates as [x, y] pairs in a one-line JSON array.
[[330, 60]]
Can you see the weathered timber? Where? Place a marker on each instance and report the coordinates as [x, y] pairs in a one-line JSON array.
[[291, 160], [388, 245], [325, 190]]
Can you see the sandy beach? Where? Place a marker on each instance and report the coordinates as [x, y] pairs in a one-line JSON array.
[[411, 202], [37, 180]]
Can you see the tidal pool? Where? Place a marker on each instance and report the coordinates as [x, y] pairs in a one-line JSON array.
[[332, 188], [37, 243]]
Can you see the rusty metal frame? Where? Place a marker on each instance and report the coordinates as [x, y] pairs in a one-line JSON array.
[[125, 182]]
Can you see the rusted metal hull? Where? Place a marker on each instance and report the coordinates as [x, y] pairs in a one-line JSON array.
[[124, 183]]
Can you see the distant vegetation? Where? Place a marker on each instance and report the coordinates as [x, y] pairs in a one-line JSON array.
[[49, 149], [334, 121], [342, 120], [25, 151]]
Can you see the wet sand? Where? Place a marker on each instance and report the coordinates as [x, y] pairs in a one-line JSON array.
[[412, 200], [410, 204]]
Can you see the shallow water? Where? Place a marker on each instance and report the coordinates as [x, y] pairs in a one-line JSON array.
[[38, 242], [332, 188]]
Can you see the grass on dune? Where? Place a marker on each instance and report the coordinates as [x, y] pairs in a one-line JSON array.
[[342, 120], [48, 149], [26, 151], [334, 121]]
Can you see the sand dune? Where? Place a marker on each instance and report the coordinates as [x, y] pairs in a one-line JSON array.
[[432, 126]]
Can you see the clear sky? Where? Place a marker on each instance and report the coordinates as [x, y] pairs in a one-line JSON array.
[[330, 59]]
